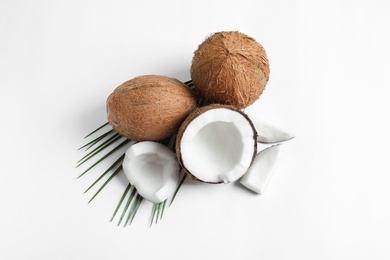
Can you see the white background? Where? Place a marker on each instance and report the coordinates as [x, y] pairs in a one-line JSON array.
[[330, 66]]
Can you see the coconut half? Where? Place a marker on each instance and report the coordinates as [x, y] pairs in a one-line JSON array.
[[216, 144], [152, 169], [260, 172]]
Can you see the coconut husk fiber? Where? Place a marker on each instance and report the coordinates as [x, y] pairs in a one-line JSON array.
[[149, 107], [230, 68]]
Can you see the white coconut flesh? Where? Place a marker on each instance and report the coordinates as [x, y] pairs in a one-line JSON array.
[[260, 172], [152, 169], [270, 134], [218, 146]]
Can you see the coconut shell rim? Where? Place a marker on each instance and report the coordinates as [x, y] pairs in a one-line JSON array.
[[194, 114]]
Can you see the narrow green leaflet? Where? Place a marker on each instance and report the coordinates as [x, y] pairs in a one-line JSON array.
[[96, 140], [97, 129], [119, 160], [133, 210], [106, 182], [105, 156], [121, 201], [127, 205], [183, 178]]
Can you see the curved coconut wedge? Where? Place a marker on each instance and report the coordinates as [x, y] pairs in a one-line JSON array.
[[260, 172], [153, 170], [216, 144], [270, 134]]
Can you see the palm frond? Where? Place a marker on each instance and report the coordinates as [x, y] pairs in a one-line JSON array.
[[105, 156], [100, 148]]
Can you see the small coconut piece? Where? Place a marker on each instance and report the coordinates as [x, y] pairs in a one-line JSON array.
[[260, 172], [230, 68], [152, 169], [270, 134], [216, 144], [149, 107]]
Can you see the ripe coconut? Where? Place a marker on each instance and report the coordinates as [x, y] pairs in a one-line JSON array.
[[216, 144], [149, 107], [230, 68]]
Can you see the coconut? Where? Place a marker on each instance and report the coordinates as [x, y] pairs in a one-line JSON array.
[[269, 133], [216, 144], [262, 169], [152, 169], [149, 107], [230, 68]]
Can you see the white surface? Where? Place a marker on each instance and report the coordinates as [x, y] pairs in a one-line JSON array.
[[328, 199]]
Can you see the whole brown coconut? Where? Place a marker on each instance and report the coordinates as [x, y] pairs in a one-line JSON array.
[[230, 68], [149, 107]]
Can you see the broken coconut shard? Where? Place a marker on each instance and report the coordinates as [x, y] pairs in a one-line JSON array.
[[216, 144], [270, 134], [153, 170], [260, 172]]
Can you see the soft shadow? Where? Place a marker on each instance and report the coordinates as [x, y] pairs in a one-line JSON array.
[[91, 119], [244, 189]]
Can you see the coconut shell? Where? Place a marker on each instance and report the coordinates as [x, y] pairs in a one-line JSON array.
[[230, 68], [149, 107], [194, 114]]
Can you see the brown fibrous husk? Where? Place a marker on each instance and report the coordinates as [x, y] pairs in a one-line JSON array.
[[230, 68], [194, 114], [149, 107]]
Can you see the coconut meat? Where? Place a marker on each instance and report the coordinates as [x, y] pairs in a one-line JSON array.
[[218, 146], [152, 169], [260, 172], [270, 134]]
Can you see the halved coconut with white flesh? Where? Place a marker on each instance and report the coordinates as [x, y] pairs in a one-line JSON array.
[[270, 134], [216, 144], [260, 172], [152, 169]]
